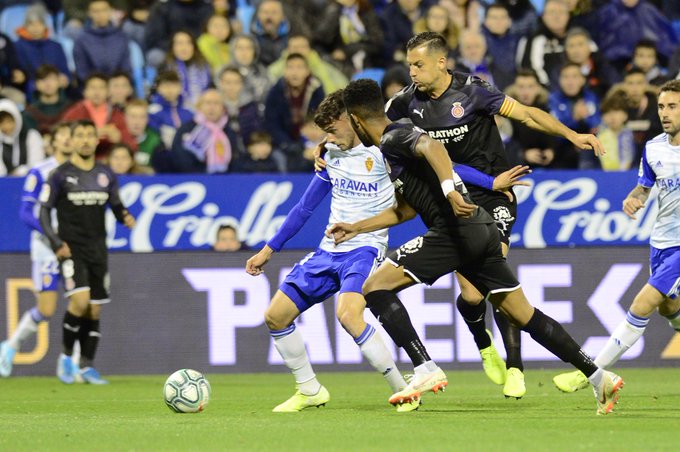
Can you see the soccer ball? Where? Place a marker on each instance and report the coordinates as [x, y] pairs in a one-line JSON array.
[[186, 391]]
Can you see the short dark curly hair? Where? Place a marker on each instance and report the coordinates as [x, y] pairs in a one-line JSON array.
[[329, 110], [363, 98], [673, 85]]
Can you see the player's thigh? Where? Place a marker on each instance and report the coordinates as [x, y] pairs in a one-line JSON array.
[[665, 266], [389, 276], [47, 302], [281, 312], [94, 311], [670, 306], [647, 300], [514, 305], [76, 275]]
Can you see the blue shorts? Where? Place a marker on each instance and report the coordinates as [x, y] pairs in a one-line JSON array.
[[665, 268], [321, 274], [46, 275]]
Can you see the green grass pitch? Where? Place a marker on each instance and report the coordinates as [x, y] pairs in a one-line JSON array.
[[39, 414]]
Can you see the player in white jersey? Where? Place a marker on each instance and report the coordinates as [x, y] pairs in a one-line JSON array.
[[45, 268], [660, 166], [360, 187]]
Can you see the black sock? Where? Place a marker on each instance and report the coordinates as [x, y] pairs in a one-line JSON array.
[[553, 337], [511, 339], [392, 315], [89, 342], [474, 318], [70, 329]]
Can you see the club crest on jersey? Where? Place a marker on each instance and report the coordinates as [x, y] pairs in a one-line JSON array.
[[103, 180], [369, 164], [457, 110]]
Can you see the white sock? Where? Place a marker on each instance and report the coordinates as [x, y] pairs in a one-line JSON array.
[[426, 367], [674, 320], [27, 326], [596, 378], [291, 347], [624, 337], [375, 351]]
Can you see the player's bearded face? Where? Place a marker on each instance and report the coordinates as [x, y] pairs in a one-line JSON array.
[[669, 112], [361, 133], [424, 68], [84, 141]]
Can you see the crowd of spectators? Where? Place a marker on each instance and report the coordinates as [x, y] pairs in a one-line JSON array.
[[229, 86]]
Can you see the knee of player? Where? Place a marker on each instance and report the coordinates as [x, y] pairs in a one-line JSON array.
[[349, 319], [272, 321]]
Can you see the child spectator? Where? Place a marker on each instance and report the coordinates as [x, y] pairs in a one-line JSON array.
[[245, 50], [244, 113], [102, 46], [646, 59], [50, 101], [22, 147], [259, 158], [616, 138], [206, 144], [166, 113], [109, 121], [122, 162], [148, 140], [226, 240], [34, 48], [120, 89], [214, 43], [194, 73]]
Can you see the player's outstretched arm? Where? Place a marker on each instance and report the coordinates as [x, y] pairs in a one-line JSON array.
[[254, 265], [502, 183], [400, 212], [635, 200], [539, 120]]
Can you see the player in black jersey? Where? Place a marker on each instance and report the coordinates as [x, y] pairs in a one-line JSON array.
[[458, 110], [460, 237], [80, 190]]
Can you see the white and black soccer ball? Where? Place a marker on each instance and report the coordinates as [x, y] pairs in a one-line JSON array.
[[186, 391]]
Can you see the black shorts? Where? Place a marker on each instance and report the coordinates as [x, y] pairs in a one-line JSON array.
[[83, 274], [503, 212], [473, 250]]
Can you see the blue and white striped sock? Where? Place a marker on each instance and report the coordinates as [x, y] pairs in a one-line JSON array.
[[375, 351], [366, 335], [624, 337], [291, 347]]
